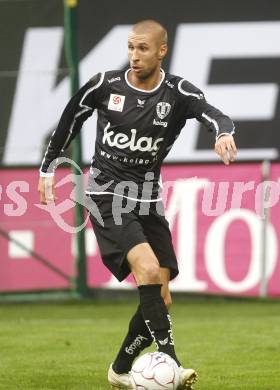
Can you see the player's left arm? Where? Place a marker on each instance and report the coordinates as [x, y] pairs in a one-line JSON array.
[[212, 118], [221, 125]]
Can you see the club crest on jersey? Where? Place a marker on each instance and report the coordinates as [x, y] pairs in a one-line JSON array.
[[116, 102], [163, 109]]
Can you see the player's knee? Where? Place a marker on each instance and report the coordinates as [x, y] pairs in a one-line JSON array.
[[152, 273], [148, 272]]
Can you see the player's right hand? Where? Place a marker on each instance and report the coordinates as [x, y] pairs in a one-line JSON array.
[[46, 189]]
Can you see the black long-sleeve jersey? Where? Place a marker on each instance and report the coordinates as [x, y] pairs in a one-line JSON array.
[[135, 129]]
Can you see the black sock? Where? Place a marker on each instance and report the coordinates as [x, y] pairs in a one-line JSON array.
[[157, 318], [137, 338]]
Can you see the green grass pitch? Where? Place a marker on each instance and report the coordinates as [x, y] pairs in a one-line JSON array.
[[233, 344]]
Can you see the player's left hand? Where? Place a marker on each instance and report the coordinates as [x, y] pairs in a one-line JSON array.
[[226, 149]]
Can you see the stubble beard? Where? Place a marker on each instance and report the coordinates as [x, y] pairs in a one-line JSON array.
[[146, 74]]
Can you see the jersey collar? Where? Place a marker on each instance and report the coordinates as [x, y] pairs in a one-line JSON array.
[[144, 90]]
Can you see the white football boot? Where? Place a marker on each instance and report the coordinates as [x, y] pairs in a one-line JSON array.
[[119, 381], [188, 377]]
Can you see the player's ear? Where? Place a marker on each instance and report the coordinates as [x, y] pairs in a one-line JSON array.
[[162, 51]]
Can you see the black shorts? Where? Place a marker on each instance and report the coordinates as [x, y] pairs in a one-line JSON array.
[[117, 234]]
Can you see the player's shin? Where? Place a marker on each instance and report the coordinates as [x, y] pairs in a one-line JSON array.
[[137, 339], [157, 318]]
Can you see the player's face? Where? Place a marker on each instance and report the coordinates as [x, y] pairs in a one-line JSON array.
[[145, 54]]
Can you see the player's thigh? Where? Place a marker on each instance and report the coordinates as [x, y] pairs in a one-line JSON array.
[[165, 292], [143, 264]]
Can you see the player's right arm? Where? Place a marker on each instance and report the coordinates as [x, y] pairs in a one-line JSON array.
[[79, 108]]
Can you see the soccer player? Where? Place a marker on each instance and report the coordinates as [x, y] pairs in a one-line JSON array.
[[141, 112]]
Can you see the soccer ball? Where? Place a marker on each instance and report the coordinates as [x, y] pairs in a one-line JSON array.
[[155, 371]]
